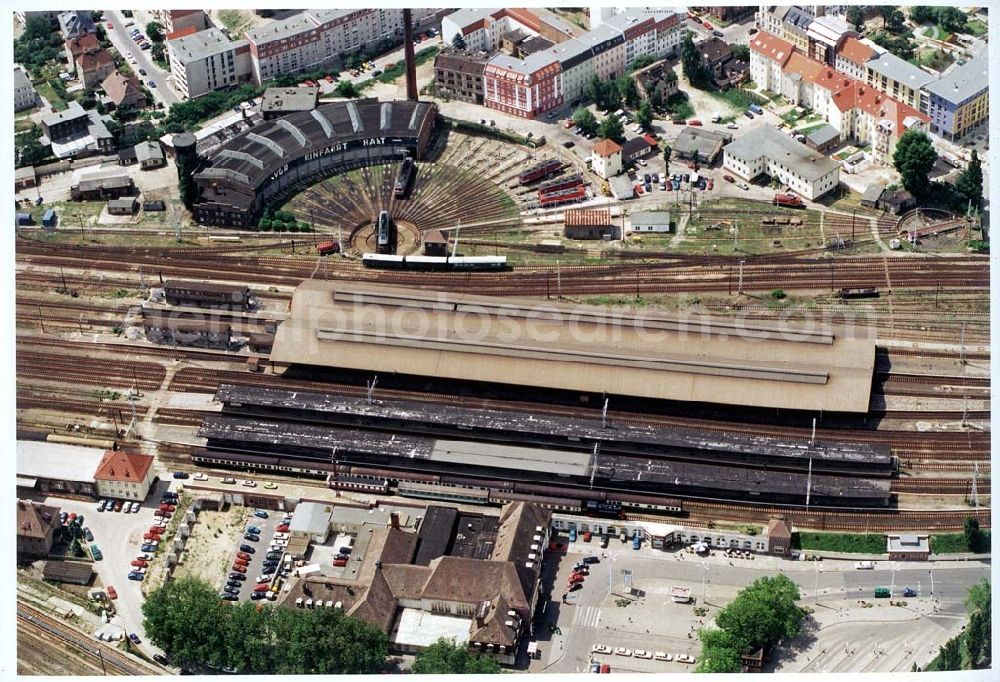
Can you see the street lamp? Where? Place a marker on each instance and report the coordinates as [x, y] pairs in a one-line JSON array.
[[892, 585], [816, 584], [704, 579]]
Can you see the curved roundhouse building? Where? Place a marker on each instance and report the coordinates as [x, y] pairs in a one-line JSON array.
[[243, 176]]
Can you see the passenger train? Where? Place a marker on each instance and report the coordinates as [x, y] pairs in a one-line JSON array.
[[385, 232], [403, 178], [438, 263]]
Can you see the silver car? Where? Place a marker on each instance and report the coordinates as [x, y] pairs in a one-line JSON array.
[[135, 507]]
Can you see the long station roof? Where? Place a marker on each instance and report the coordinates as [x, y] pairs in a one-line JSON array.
[[576, 348]]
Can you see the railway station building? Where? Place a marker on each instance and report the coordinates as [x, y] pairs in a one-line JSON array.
[[485, 600], [758, 365], [56, 468]]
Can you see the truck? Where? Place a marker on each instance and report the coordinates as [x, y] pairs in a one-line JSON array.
[[716, 117], [680, 595], [864, 565], [788, 201], [326, 248]]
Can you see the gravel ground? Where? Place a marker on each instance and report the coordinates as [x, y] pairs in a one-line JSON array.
[[211, 547]]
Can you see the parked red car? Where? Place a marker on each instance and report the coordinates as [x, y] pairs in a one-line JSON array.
[[340, 562], [243, 555], [112, 592], [241, 562], [575, 578], [262, 588], [694, 122], [140, 562], [167, 507], [707, 25], [239, 569], [150, 536], [283, 528]]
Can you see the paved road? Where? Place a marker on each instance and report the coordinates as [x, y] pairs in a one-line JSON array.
[[592, 617], [119, 37]]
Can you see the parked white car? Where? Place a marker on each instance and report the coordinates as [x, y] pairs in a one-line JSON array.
[[623, 651], [600, 649], [640, 653], [663, 656]]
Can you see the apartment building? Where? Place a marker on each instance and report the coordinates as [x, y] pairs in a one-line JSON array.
[[857, 110], [575, 59], [768, 151], [825, 34], [795, 27], [24, 91], [647, 34], [459, 75], [175, 20], [897, 78], [960, 100], [524, 88], [853, 55], [206, 61], [316, 38]]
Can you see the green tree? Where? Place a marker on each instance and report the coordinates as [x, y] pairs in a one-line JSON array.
[[913, 159], [641, 62], [185, 178], [153, 30], [970, 181], [977, 652], [158, 53], [667, 151], [856, 17], [693, 64], [626, 90], [604, 93], [950, 655], [741, 53], [584, 118], [896, 20], [37, 45], [972, 534], [922, 14], [644, 115], [186, 618], [720, 653], [458, 42], [444, 657], [612, 129], [951, 19], [347, 89], [763, 613]]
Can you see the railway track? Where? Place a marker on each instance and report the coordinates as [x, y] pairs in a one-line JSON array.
[[867, 521], [107, 657]]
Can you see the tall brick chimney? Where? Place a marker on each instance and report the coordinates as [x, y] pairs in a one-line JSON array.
[[411, 66]]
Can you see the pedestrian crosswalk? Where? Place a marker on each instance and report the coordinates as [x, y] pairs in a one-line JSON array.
[[587, 616]]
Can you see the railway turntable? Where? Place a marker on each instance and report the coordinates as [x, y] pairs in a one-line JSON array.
[[483, 341]]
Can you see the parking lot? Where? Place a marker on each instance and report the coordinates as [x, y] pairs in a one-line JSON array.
[[254, 569], [119, 537]]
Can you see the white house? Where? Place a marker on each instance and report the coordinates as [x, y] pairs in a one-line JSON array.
[[124, 475], [650, 222], [606, 159], [767, 151]]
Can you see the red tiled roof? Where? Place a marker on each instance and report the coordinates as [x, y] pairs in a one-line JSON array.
[[78, 46], [123, 466], [650, 139], [94, 59], [186, 31], [772, 47], [856, 51], [587, 216], [606, 148]]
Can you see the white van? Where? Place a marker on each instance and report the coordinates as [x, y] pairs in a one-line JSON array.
[[716, 117]]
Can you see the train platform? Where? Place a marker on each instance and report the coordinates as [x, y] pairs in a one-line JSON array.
[[525, 343]]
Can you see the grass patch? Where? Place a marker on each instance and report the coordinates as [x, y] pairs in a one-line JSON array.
[[954, 543], [976, 28], [390, 75], [45, 89], [679, 106], [805, 130], [938, 60], [233, 19], [855, 543], [738, 99]]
